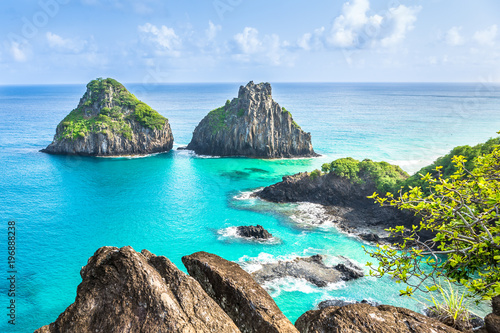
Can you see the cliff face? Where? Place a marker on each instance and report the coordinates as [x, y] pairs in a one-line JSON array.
[[252, 125], [110, 121]]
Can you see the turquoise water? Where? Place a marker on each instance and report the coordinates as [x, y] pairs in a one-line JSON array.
[[177, 203]]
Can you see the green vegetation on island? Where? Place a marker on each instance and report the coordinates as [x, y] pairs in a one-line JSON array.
[[448, 168], [391, 178], [93, 116], [385, 176], [217, 118], [290, 114]]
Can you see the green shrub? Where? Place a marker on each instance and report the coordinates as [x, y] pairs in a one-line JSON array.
[[241, 112], [148, 117], [315, 174], [346, 167], [385, 176], [217, 119]]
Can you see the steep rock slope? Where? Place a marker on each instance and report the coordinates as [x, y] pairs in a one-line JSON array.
[[110, 121], [243, 299], [252, 125]]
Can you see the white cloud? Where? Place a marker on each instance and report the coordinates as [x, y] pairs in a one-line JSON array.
[[163, 39], [19, 51], [354, 28], [248, 41], [64, 45], [453, 37], [268, 49], [310, 41], [212, 30], [487, 36], [399, 21]]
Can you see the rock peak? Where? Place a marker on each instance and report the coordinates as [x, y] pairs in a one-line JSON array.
[[260, 91]]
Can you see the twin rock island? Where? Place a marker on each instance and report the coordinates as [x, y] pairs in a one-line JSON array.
[[110, 121]]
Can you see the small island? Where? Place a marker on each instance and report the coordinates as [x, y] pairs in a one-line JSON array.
[[252, 125], [110, 121]]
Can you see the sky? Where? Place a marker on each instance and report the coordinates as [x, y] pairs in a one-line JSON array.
[[155, 41]]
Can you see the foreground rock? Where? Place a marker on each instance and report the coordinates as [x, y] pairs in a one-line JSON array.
[[252, 125], [364, 318], [126, 291], [312, 269], [245, 301], [353, 212], [250, 231], [110, 121], [492, 321]]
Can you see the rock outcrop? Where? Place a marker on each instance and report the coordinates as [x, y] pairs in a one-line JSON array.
[[126, 291], [353, 212], [312, 269], [252, 125], [364, 318], [110, 121], [341, 302], [492, 321], [250, 231], [244, 300]]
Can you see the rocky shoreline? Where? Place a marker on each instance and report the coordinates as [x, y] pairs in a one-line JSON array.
[[126, 291], [345, 203]]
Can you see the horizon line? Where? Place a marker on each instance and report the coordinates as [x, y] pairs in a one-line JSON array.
[[239, 82]]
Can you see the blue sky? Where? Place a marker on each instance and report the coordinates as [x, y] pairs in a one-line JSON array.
[[74, 41]]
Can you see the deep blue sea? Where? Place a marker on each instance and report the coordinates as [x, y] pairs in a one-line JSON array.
[[177, 203]]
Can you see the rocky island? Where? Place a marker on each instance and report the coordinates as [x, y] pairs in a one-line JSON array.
[[110, 121], [252, 125]]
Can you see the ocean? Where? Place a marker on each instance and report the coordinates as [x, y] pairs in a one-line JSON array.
[[177, 203]]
